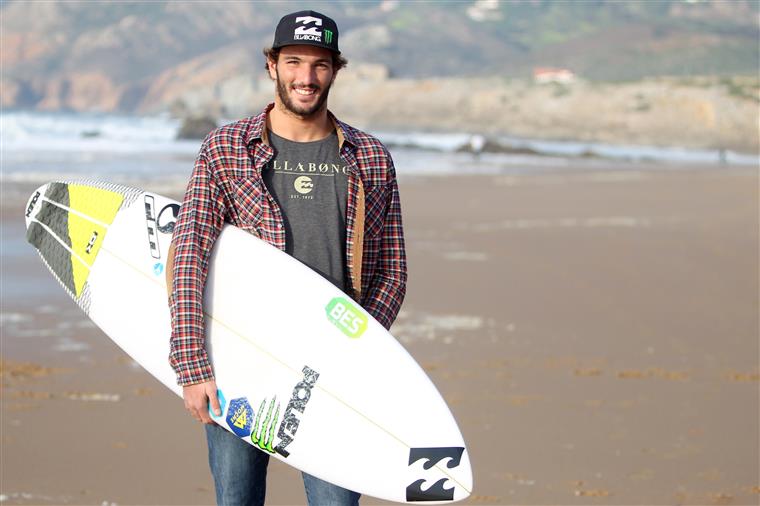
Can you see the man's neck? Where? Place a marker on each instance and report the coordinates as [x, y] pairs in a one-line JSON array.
[[296, 128]]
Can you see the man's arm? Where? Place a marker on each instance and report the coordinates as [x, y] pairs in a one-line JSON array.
[[198, 225], [200, 395], [387, 287]]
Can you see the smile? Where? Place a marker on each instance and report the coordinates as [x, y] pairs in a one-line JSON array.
[[305, 91]]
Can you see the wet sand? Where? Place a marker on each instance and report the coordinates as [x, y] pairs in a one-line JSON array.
[[595, 334]]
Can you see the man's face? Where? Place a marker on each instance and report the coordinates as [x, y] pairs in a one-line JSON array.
[[303, 75]]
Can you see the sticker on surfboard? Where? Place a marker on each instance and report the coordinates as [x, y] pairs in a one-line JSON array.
[[346, 316], [68, 225]]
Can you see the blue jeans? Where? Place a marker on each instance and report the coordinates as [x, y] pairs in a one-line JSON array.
[[240, 474]]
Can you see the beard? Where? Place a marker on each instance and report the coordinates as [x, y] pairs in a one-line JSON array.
[[301, 111]]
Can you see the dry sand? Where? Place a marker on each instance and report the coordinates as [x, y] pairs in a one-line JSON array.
[[596, 335]]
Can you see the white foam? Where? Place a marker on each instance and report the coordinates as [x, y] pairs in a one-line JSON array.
[[10, 318], [65, 132], [562, 179], [456, 322], [48, 309], [571, 222], [93, 397], [410, 327], [33, 498], [69, 345], [465, 256], [451, 142], [37, 333]]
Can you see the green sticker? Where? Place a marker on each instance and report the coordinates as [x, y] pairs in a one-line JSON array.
[[263, 435], [347, 317]]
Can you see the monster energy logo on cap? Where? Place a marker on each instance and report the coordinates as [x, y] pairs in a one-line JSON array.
[[328, 36]]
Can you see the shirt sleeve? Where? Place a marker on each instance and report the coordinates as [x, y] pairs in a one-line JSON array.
[[387, 287], [198, 225]]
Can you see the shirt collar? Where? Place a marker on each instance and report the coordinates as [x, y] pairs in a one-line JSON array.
[[344, 134], [258, 129]]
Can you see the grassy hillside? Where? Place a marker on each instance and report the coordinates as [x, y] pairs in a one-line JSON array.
[[110, 55], [600, 40]]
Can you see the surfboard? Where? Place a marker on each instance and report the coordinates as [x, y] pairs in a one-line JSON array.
[[304, 373]]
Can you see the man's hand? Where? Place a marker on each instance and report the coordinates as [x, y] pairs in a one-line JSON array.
[[197, 400]]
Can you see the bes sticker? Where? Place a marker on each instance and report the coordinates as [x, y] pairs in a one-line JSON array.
[[347, 317], [240, 417]]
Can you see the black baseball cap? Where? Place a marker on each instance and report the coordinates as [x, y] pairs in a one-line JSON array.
[[306, 27]]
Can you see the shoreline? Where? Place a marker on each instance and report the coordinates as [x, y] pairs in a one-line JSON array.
[[92, 132]]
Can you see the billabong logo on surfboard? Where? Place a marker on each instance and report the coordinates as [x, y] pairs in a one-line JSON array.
[[433, 456]]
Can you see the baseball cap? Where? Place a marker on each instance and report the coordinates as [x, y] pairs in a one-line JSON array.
[[306, 27]]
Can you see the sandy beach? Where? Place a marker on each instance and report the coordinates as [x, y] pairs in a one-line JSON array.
[[594, 332]]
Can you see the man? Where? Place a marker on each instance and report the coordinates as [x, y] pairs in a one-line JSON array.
[[308, 184]]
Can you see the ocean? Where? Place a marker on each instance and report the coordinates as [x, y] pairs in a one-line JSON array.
[[36, 147]]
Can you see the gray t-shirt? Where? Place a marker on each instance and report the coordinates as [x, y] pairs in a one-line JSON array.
[[310, 184]]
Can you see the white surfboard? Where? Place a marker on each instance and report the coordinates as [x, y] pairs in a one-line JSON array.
[[304, 373]]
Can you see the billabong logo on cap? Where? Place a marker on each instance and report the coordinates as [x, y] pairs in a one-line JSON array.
[[304, 33], [306, 27]]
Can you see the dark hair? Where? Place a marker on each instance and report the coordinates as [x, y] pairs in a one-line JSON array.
[[273, 54]]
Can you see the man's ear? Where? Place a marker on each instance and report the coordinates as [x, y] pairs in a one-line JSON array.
[[271, 67]]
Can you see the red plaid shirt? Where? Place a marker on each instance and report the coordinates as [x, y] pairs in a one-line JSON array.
[[226, 186]]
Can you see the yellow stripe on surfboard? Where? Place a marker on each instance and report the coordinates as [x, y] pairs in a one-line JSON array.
[[86, 235]]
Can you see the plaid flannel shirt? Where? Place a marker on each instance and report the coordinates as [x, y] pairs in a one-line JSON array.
[[227, 186]]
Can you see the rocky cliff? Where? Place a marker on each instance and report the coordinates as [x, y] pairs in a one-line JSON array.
[[698, 113]]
